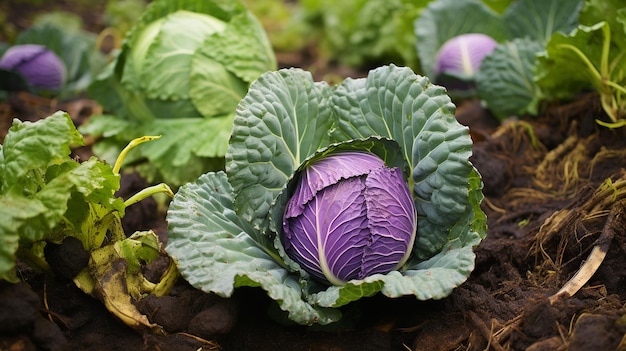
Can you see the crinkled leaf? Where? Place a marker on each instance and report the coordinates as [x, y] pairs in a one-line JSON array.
[[243, 48], [445, 19], [283, 119], [93, 179], [280, 126], [397, 104], [172, 56], [46, 194], [561, 73], [216, 251], [213, 89], [505, 80], [27, 148], [539, 19], [17, 215], [227, 63]]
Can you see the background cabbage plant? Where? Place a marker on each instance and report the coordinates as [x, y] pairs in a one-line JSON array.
[[180, 73], [225, 228]]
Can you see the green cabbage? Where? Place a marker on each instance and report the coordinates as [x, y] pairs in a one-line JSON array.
[[180, 73]]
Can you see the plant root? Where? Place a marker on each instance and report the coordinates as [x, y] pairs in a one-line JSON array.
[[614, 222]]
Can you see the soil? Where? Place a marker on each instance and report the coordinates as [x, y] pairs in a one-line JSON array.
[[554, 198]]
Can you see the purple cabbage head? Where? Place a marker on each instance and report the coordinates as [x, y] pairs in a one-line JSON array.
[[349, 217], [41, 68], [463, 54]]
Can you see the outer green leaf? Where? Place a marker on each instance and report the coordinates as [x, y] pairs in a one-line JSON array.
[[188, 146], [215, 250], [17, 215], [445, 19], [283, 119], [27, 148], [611, 11], [214, 90], [227, 62], [46, 194], [539, 19], [561, 73], [397, 104], [505, 80], [93, 179], [243, 48], [221, 10], [172, 59], [200, 74], [283, 123], [432, 279]]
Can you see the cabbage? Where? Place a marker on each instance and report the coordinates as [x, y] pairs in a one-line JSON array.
[[462, 55], [350, 217], [41, 68], [181, 72], [225, 229]]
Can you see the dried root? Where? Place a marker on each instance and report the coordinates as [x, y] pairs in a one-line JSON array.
[[608, 201]]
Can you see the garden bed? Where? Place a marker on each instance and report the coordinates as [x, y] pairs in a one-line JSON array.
[[548, 200], [555, 206]]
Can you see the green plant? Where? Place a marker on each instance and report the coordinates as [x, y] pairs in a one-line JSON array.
[[590, 57], [225, 228], [180, 73], [47, 198]]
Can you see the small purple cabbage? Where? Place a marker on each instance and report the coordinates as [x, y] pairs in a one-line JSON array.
[[463, 54], [350, 217], [41, 68]]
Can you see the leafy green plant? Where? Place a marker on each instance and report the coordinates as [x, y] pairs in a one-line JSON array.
[[441, 21], [35, 68], [505, 80], [226, 228], [47, 197], [62, 34], [180, 73], [590, 57], [361, 33]]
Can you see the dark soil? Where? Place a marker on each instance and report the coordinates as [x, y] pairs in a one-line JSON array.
[[551, 197]]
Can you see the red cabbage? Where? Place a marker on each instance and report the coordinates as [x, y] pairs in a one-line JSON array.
[[41, 68]]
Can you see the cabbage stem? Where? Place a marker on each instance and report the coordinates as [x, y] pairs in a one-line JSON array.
[[149, 191], [130, 146]]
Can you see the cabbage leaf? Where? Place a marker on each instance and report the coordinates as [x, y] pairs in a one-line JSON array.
[[506, 80], [45, 195], [590, 57], [222, 227], [181, 72]]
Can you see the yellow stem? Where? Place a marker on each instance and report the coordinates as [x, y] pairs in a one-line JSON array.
[[132, 144]]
